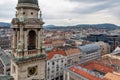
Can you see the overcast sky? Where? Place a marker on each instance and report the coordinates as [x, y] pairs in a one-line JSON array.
[[69, 12]]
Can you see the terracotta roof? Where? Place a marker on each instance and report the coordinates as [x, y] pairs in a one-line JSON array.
[[53, 52], [111, 76], [72, 51], [98, 67], [109, 61], [85, 74], [58, 41], [47, 42], [63, 51]]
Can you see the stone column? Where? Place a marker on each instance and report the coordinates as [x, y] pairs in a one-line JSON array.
[[22, 40], [21, 34], [25, 42], [18, 38], [39, 42], [15, 38], [13, 46]]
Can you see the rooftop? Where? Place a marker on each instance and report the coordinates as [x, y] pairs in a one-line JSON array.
[[85, 74], [63, 50], [53, 52], [98, 67], [111, 76], [92, 70], [5, 58], [28, 1], [90, 48], [109, 61]]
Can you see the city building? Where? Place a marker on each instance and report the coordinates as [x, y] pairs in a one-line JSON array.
[[28, 61], [112, 40], [90, 52], [105, 48], [58, 59], [5, 42], [4, 63], [111, 60], [66, 56], [90, 71]]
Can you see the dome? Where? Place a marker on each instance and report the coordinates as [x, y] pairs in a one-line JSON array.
[[28, 1]]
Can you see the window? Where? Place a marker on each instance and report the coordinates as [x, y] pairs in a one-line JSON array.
[[23, 13], [32, 40], [53, 63], [31, 13], [62, 61]]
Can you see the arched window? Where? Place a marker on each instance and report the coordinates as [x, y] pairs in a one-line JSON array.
[[32, 40]]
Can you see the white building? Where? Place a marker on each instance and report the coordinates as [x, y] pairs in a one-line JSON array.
[[58, 59]]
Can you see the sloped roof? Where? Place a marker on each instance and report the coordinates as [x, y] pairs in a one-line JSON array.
[[116, 51], [63, 50], [28, 1], [112, 76], [53, 52], [5, 58], [90, 48], [97, 66], [85, 74]]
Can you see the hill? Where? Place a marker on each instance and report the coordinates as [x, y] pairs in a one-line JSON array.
[[5, 25], [105, 26]]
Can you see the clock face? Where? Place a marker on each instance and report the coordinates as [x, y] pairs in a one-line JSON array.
[[32, 71]]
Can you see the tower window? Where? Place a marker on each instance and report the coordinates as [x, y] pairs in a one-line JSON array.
[[31, 13], [32, 40]]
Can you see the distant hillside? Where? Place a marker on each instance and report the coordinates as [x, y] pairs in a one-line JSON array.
[[49, 26], [5, 25], [85, 26]]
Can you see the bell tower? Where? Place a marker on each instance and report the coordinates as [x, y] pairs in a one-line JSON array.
[[28, 60]]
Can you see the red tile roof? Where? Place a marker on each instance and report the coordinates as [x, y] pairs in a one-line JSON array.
[[97, 66], [85, 74], [47, 42], [53, 52]]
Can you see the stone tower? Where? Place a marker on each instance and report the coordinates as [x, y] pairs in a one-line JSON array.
[[28, 61]]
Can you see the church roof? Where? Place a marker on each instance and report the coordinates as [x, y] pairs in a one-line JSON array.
[[28, 1]]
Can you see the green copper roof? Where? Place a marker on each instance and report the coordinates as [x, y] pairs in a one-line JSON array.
[[28, 1]]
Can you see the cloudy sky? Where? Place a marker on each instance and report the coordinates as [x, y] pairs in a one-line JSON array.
[[69, 12]]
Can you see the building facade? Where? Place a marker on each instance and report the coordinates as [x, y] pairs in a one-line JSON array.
[[90, 52], [89, 71], [112, 40], [60, 58], [28, 62]]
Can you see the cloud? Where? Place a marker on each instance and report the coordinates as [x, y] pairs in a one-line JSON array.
[[69, 12]]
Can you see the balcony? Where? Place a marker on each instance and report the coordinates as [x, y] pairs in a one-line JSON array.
[[32, 52]]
